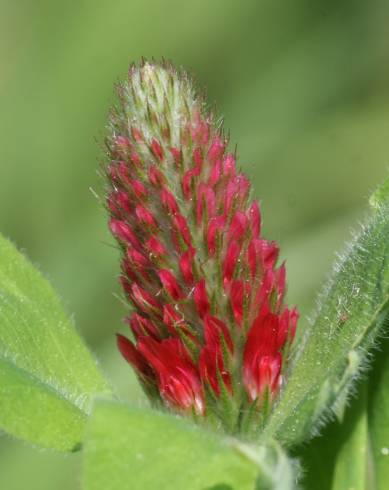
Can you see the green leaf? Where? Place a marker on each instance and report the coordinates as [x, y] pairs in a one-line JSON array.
[[131, 449], [47, 375], [334, 347], [338, 459], [378, 414], [351, 460]]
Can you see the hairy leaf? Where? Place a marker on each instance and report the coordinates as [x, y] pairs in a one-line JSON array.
[[47, 375], [333, 350], [378, 415], [129, 449]]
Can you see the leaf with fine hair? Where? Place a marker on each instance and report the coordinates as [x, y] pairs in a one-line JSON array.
[[47, 375], [334, 347], [130, 449]]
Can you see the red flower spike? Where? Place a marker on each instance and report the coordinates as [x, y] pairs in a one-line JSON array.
[[207, 292]]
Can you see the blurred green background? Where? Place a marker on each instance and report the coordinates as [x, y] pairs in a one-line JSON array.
[[303, 86]]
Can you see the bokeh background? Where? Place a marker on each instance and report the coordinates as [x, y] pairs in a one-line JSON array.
[[303, 86]]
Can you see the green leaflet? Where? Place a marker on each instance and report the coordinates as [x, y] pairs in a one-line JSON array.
[[134, 449], [378, 415], [47, 375], [354, 453], [350, 469], [333, 348], [338, 460]]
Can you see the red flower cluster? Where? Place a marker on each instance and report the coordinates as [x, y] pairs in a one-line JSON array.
[[209, 322]]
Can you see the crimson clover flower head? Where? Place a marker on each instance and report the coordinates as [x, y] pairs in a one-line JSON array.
[[210, 332]]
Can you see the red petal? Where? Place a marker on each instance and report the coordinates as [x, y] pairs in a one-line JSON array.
[[136, 134], [156, 148], [135, 159], [254, 216], [155, 246], [186, 265], [138, 188], [214, 329], [236, 298], [169, 201], [182, 227], [142, 326], [123, 141], [177, 155], [131, 354], [144, 216], [198, 157], [238, 226], [123, 232], [187, 180], [201, 298], [169, 282], [179, 382], [211, 360], [230, 261], [156, 178], [265, 373], [200, 131], [215, 174], [216, 149], [216, 226], [229, 165], [122, 200], [205, 196], [144, 300]]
